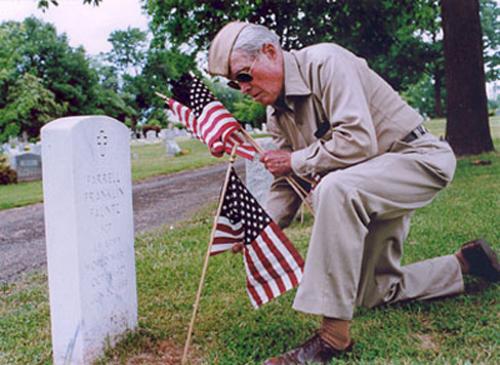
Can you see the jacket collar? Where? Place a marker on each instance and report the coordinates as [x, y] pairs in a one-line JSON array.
[[294, 85]]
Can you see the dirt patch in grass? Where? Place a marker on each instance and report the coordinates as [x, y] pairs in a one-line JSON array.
[[165, 353], [427, 342]]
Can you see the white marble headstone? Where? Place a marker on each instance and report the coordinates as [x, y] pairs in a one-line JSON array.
[[171, 146], [89, 234], [258, 179], [151, 135]]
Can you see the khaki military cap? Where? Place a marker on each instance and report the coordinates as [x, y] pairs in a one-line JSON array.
[[221, 47]]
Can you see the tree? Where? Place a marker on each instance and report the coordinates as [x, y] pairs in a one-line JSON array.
[[422, 96], [369, 28], [248, 111], [61, 73], [29, 106], [467, 129], [65, 71], [427, 25], [129, 50], [490, 24]]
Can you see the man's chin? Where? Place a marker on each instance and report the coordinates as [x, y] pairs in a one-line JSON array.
[[263, 100], [263, 103]]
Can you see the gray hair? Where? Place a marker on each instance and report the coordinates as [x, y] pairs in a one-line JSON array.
[[253, 37]]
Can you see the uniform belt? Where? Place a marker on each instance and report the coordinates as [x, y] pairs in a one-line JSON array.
[[414, 134]]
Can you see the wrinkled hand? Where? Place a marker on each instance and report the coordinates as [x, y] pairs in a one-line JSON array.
[[277, 162], [237, 248]]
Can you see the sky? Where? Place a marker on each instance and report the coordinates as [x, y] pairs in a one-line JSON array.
[[84, 25]]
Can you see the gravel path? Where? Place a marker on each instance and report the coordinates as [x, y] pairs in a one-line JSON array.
[[157, 201]]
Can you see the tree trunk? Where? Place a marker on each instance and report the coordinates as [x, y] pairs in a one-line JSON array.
[[467, 128]]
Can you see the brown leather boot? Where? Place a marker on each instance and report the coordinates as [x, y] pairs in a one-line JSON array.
[[480, 260], [313, 351]]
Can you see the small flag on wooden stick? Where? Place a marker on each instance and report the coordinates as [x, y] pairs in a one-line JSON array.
[[273, 265], [198, 109]]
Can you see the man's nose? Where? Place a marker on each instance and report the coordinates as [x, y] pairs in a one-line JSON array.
[[245, 87]]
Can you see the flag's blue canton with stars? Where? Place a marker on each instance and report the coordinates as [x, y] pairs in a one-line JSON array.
[[272, 263]]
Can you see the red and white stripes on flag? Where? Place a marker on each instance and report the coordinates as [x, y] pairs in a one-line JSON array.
[[198, 109], [272, 263], [222, 141]]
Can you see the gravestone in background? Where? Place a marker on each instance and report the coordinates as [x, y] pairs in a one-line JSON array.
[[161, 135], [11, 153], [171, 146], [89, 234], [37, 148], [151, 136], [28, 166], [258, 179]]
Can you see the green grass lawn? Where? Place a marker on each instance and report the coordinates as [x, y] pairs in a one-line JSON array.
[[147, 161], [460, 330], [438, 126]]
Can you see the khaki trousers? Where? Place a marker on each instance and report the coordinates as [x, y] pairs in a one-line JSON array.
[[362, 218]]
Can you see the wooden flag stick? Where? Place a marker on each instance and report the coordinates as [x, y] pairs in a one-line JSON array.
[[164, 97], [301, 192], [207, 256]]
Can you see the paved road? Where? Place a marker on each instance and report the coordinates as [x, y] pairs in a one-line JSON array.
[[157, 201]]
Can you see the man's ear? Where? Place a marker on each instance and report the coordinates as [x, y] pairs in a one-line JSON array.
[[269, 50]]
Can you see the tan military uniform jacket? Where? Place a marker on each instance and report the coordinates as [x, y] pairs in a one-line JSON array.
[[362, 213], [327, 83]]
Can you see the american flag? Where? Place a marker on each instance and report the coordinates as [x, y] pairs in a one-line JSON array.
[[198, 109], [272, 263]]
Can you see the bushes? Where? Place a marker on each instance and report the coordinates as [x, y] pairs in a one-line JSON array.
[[7, 175]]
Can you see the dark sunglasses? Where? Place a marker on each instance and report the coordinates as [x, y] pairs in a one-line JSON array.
[[242, 76]]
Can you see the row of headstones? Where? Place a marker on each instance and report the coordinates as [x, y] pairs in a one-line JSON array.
[[89, 231], [171, 133], [25, 158], [166, 135], [250, 128], [153, 136]]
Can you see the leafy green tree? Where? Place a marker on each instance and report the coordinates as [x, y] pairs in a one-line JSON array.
[[29, 106], [428, 25], [161, 66], [229, 97], [81, 84], [109, 99], [129, 50], [65, 71], [421, 96], [369, 28], [107, 73], [248, 111], [490, 24], [10, 39]]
